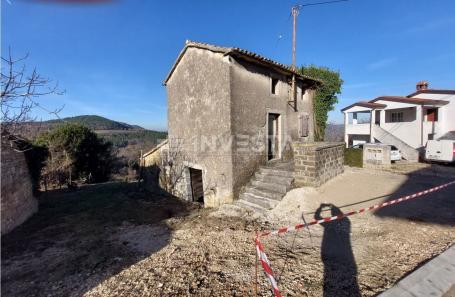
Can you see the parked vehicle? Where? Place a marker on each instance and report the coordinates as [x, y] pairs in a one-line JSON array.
[[440, 151], [395, 153], [358, 146]]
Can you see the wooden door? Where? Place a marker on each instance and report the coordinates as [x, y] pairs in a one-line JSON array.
[[273, 140], [197, 186]]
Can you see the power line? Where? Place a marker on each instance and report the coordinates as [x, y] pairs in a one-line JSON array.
[[295, 12], [319, 3]]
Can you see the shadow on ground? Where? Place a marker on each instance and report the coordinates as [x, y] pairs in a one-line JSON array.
[[80, 238], [340, 268], [436, 207]]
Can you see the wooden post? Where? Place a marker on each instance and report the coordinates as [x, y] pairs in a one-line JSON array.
[[256, 269]]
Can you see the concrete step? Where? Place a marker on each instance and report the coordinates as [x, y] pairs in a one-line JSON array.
[[250, 206], [276, 172], [264, 193], [285, 180], [271, 186], [258, 200], [288, 166]]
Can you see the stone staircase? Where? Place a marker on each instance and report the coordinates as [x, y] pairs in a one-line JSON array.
[[267, 187], [408, 152]]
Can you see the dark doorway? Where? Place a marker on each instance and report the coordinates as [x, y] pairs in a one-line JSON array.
[[377, 117], [197, 187], [432, 115], [273, 141]]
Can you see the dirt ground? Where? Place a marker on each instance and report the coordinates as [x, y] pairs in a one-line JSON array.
[[117, 240]]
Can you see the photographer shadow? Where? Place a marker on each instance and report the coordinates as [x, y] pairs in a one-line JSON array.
[[340, 269]]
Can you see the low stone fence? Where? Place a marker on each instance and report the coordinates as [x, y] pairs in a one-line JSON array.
[[316, 163]]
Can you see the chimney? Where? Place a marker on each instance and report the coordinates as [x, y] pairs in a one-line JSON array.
[[422, 85]]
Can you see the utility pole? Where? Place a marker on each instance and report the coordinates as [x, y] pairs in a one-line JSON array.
[[294, 12]]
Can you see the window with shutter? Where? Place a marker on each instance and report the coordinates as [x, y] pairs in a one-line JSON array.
[[303, 119]]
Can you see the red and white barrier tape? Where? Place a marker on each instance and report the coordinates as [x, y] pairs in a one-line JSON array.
[[263, 257], [339, 217], [266, 266]]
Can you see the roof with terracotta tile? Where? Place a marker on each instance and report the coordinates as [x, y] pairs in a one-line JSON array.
[[242, 53], [419, 101], [432, 91], [366, 104]]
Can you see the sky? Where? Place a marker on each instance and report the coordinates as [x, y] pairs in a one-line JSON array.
[[111, 58]]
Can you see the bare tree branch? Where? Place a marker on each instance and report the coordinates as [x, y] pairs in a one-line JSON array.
[[20, 91]]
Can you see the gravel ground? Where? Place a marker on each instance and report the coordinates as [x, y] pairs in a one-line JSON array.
[[115, 240]]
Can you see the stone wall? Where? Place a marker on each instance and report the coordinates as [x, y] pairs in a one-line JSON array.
[[316, 163], [17, 201], [252, 101], [199, 121]]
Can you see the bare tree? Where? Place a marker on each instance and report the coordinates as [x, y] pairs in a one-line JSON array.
[[19, 93], [171, 167]]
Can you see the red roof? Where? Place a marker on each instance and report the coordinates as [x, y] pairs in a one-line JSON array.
[[420, 101], [432, 91], [366, 104]]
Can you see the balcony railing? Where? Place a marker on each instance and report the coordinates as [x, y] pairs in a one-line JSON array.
[[360, 129]]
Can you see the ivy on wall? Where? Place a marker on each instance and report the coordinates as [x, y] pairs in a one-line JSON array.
[[325, 97]]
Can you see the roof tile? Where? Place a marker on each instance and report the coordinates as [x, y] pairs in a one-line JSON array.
[[235, 51]]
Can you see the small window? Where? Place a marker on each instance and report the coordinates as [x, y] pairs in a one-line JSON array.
[[397, 117], [274, 88]]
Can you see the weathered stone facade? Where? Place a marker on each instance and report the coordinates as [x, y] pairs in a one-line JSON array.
[[316, 163], [17, 201], [219, 102]]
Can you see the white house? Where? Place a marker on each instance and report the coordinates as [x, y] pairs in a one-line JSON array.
[[406, 122]]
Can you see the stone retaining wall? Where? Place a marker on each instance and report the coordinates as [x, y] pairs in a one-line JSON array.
[[17, 200], [316, 163]]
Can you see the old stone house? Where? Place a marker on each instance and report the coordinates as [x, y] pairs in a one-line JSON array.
[[229, 112]]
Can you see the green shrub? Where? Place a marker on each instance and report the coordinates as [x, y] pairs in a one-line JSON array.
[[76, 152], [326, 95], [353, 157]]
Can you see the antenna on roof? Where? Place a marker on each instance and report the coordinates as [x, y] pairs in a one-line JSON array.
[[295, 12]]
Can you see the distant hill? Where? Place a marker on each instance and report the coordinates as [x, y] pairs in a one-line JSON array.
[[96, 122], [334, 132]]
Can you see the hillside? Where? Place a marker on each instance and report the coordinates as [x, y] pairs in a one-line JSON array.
[[96, 122], [128, 140], [334, 132]]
